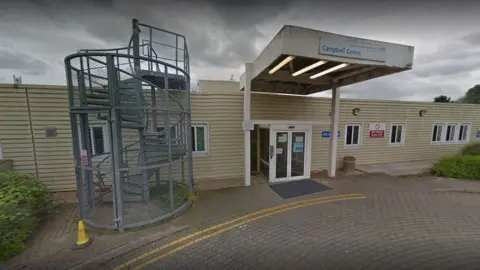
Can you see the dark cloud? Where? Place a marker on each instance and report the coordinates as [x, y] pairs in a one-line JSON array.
[[446, 68], [22, 62], [217, 33], [223, 35], [473, 39], [405, 86]]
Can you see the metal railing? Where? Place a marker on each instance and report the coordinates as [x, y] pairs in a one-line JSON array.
[[149, 174]]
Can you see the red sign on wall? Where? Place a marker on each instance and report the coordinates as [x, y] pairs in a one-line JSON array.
[[377, 134], [377, 130]]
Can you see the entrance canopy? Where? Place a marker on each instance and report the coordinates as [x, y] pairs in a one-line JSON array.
[[305, 61]]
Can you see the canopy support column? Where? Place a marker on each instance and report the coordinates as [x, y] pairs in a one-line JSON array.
[[247, 124], [332, 148]]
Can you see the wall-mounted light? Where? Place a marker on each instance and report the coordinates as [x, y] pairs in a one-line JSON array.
[[356, 111], [422, 112]]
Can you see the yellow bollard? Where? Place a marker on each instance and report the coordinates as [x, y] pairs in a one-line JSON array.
[[192, 197], [82, 238]]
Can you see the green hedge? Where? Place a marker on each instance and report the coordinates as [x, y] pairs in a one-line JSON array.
[[23, 202], [458, 166], [472, 149]]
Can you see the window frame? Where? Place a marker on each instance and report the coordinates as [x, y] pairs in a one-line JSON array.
[[177, 131], [455, 130], [443, 137], [206, 129], [360, 135], [403, 134], [468, 133], [106, 142]]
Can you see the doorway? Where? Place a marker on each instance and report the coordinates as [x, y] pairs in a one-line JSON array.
[[289, 152]]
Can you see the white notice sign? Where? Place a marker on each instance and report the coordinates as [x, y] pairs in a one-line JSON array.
[[377, 130], [283, 138], [377, 126], [298, 139], [279, 151]]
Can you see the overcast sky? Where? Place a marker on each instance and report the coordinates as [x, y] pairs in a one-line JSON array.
[[222, 35]]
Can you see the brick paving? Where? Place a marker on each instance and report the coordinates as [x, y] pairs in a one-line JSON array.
[[402, 224], [401, 219], [405, 230]]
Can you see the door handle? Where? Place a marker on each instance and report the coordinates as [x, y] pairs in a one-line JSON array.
[[271, 151]]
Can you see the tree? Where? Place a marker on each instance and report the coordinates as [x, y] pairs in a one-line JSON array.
[[472, 95], [442, 98]]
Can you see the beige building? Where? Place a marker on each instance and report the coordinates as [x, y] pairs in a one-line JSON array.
[[288, 142], [266, 122]]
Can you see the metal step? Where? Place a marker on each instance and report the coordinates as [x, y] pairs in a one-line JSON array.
[[132, 125], [175, 82], [98, 102], [99, 91], [131, 118], [153, 158], [97, 95]]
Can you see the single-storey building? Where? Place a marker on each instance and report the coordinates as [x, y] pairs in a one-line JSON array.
[[35, 132], [267, 122]]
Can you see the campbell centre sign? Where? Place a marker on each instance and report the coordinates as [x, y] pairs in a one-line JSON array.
[[352, 47]]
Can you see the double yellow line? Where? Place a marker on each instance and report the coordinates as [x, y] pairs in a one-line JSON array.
[[229, 225]]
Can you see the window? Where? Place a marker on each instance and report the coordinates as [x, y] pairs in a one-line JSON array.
[[98, 140], [353, 134], [450, 136], [98, 133], [397, 134], [437, 132], [450, 133], [463, 132], [174, 134], [200, 138]]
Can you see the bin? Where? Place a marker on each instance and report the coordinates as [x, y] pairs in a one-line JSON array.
[[349, 164]]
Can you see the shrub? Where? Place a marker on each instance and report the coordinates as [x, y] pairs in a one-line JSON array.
[[471, 149], [23, 202], [458, 166]]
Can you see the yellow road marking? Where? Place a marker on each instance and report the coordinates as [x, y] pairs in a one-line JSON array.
[[188, 244], [143, 256]]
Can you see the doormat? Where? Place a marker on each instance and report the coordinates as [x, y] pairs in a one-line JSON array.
[[297, 188]]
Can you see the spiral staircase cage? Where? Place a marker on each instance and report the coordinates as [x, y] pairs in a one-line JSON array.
[[131, 128]]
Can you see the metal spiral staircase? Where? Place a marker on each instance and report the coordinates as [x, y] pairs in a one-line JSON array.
[[143, 95]]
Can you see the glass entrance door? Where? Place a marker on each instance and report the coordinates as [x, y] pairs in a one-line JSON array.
[[289, 158], [297, 161], [281, 154]]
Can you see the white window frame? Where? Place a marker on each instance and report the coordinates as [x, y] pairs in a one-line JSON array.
[[177, 132], [360, 135], [106, 141], [454, 136], [403, 134], [206, 136], [443, 125], [443, 137], [468, 133]]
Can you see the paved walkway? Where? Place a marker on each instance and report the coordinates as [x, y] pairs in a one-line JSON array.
[[396, 212], [399, 168], [385, 222]]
